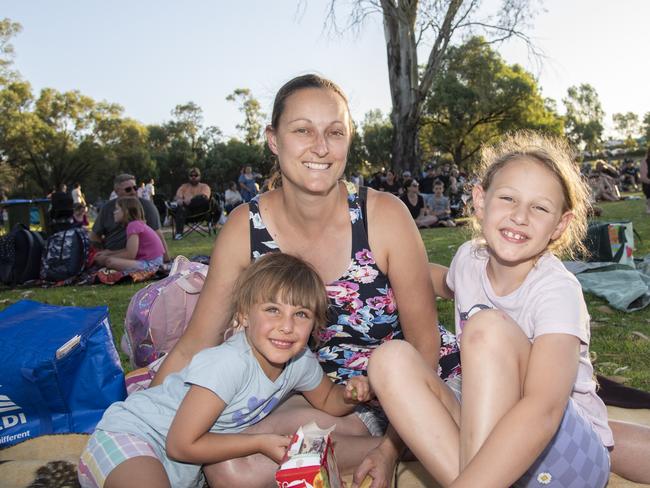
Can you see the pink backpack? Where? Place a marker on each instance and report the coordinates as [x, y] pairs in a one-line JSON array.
[[159, 313]]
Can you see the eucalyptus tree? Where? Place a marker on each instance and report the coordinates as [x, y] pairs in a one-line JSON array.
[[429, 27], [584, 117]]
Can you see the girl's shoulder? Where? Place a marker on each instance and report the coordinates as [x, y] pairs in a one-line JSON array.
[[136, 226], [551, 272]]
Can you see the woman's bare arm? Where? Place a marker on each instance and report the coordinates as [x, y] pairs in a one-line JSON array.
[[231, 255], [396, 243]]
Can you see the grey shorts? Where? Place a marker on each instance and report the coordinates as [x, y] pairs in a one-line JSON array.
[[575, 457]]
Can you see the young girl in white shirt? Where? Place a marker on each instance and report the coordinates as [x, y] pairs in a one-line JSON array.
[[530, 414]]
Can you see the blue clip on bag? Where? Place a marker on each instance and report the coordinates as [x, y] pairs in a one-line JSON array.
[[60, 370]]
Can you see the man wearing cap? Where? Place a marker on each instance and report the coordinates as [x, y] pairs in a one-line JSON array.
[[109, 235], [190, 194]]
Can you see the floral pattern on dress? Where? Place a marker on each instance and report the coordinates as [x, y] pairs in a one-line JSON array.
[[363, 311]]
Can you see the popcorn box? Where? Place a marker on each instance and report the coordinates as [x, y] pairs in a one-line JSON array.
[[309, 461]]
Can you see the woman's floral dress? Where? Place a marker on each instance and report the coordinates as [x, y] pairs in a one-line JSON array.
[[363, 311]]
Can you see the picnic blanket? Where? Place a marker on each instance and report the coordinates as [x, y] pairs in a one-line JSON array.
[[624, 287], [39, 461]]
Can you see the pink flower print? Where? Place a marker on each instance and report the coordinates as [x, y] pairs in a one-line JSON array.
[[383, 302], [363, 274], [391, 306], [353, 305], [376, 303], [364, 257], [326, 335], [358, 360], [343, 292]]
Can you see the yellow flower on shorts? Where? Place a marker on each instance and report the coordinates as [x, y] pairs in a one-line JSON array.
[[544, 478]]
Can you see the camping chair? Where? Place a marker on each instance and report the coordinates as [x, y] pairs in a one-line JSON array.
[[202, 216]]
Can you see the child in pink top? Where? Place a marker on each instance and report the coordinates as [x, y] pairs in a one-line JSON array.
[[143, 251]]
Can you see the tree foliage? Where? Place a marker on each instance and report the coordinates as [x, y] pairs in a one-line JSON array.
[[584, 117], [377, 134], [627, 124], [412, 25], [646, 128], [65, 137], [8, 30], [253, 123], [476, 97]]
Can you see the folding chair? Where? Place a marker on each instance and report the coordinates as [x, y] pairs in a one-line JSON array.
[[202, 216]]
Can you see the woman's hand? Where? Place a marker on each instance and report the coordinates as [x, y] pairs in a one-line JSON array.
[[379, 465], [274, 446], [357, 390]]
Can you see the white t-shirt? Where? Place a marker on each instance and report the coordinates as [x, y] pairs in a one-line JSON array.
[[549, 301], [149, 191]]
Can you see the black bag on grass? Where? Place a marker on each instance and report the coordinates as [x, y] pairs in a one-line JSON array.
[[65, 255], [20, 255], [610, 242]]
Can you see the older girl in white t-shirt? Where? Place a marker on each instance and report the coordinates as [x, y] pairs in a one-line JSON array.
[[530, 414]]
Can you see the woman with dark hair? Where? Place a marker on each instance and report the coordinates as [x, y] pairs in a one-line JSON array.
[[367, 250], [415, 203]]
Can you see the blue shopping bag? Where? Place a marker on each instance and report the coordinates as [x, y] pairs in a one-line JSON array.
[[59, 370]]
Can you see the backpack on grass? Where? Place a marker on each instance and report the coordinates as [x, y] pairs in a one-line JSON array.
[[159, 313], [20, 255], [611, 242], [65, 255]]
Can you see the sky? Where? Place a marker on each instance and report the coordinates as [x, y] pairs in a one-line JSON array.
[[151, 55]]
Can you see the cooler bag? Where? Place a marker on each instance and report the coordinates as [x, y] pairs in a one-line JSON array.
[[60, 370]]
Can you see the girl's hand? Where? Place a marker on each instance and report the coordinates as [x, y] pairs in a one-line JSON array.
[[274, 446], [357, 390]]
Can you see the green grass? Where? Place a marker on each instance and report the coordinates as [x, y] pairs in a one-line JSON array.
[[618, 351]]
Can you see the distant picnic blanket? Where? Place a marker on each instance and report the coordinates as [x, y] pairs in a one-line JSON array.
[[624, 287]]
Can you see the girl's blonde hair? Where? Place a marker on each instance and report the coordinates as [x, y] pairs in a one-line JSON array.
[[279, 277], [131, 207], [555, 154]]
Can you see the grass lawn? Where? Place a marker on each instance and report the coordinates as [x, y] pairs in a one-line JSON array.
[[619, 340]]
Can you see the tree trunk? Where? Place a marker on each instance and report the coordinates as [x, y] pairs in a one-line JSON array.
[[408, 89], [399, 22]]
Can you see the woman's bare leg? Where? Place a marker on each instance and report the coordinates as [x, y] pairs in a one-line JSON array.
[[630, 454], [421, 408], [351, 444], [494, 358]]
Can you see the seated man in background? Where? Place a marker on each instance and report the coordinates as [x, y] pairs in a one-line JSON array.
[[189, 196], [109, 235]]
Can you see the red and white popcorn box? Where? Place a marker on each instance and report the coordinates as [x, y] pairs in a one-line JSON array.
[[309, 461]]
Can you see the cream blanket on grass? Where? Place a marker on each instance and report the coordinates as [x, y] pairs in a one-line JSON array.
[[50, 461]]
